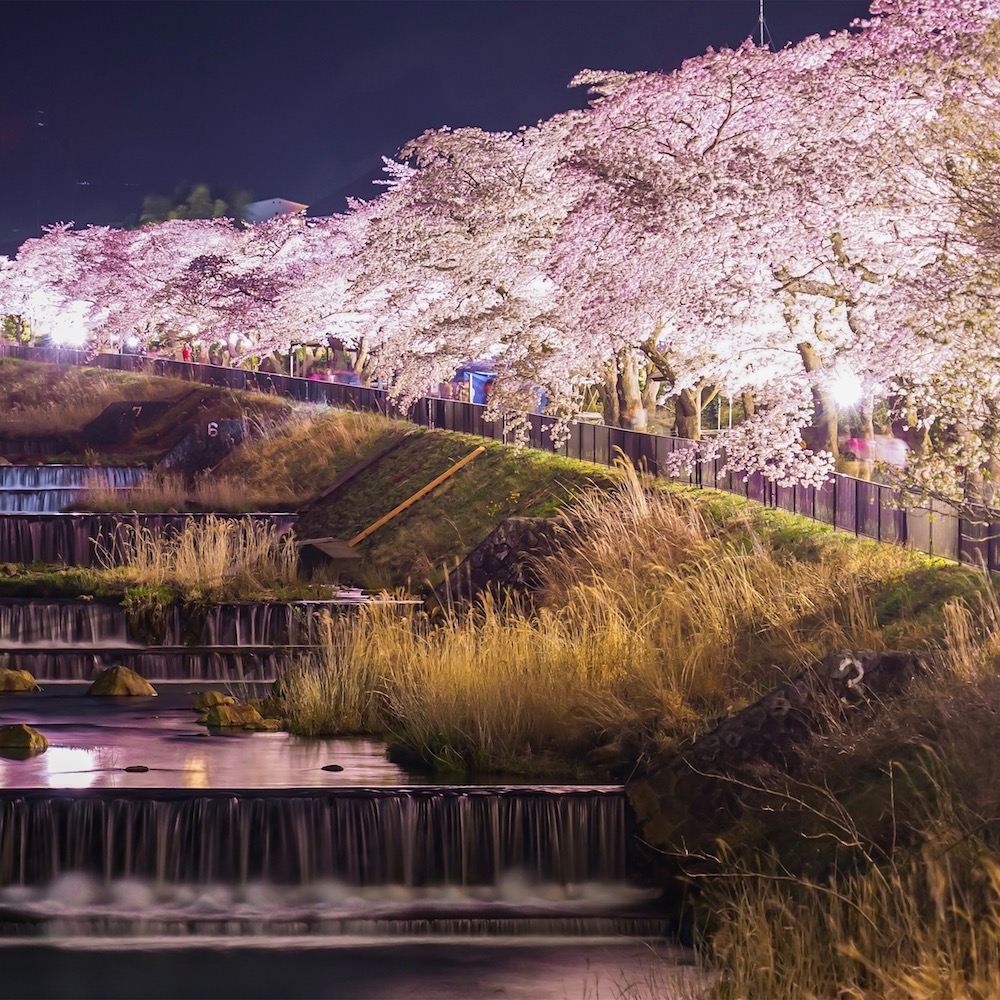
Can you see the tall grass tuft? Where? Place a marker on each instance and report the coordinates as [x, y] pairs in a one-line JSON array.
[[158, 491], [922, 925], [162, 491], [212, 557], [913, 909], [653, 620]]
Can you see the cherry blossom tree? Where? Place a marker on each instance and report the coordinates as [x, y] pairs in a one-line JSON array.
[[777, 226], [765, 214]]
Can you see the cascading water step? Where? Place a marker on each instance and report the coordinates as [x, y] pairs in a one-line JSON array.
[[462, 837], [51, 488], [434, 862], [24, 477], [85, 539], [220, 664], [67, 621]]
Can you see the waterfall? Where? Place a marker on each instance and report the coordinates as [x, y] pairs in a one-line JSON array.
[[51, 488], [461, 837], [77, 477], [284, 623], [69, 640], [61, 623]]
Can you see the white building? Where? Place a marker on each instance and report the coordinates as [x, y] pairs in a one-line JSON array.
[[271, 208]]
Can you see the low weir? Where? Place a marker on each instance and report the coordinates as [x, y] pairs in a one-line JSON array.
[[70, 640], [68, 622], [76, 539], [52, 488], [444, 836], [377, 861]]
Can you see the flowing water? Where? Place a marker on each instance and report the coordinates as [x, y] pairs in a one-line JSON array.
[[71, 640], [38, 488], [144, 855]]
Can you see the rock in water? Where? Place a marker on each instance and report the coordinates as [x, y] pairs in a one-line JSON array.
[[209, 699], [22, 737], [332, 767], [17, 680], [233, 715], [120, 681]]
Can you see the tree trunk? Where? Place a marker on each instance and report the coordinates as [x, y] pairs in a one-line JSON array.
[[749, 407], [632, 412], [687, 414], [608, 394], [364, 362], [649, 393], [822, 436]]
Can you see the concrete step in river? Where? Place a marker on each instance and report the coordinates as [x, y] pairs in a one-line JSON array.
[[51, 488]]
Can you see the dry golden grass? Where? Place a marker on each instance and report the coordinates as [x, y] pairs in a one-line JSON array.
[[292, 461], [653, 622], [43, 399], [158, 492], [925, 926], [163, 491], [213, 557], [917, 915]]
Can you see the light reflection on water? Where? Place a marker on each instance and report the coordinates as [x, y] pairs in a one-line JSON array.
[[92, 740], [70, 767]]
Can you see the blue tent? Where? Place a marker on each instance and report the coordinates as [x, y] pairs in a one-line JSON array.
[[476, 374], [479, 375]]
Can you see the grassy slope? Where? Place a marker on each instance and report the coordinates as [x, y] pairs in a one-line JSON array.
[[43, 399], [422, 541]]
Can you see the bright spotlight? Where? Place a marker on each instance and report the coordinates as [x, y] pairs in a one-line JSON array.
[[845, 387]]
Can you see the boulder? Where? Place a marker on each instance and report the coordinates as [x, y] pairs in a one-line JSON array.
[[121, 682], [732, 784], [16, 680], [22, 737], [233, 715], [209, 699]]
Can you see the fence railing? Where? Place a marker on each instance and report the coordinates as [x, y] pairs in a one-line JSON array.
[[863, 508]]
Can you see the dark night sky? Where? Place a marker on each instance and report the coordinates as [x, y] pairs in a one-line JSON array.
[[301, 99]]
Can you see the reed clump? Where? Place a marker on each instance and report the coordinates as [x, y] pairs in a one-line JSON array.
[[164, 491], [911, 909], [923, 926], [213, 557], [656, 616], [159, 491]]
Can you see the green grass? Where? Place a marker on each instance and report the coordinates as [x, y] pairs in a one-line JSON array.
[[654, 619], [420, 544]]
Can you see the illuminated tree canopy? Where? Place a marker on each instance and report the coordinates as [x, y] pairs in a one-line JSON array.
[[805, 230]]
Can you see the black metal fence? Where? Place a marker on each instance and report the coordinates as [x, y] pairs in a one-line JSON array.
[[854, 505]]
